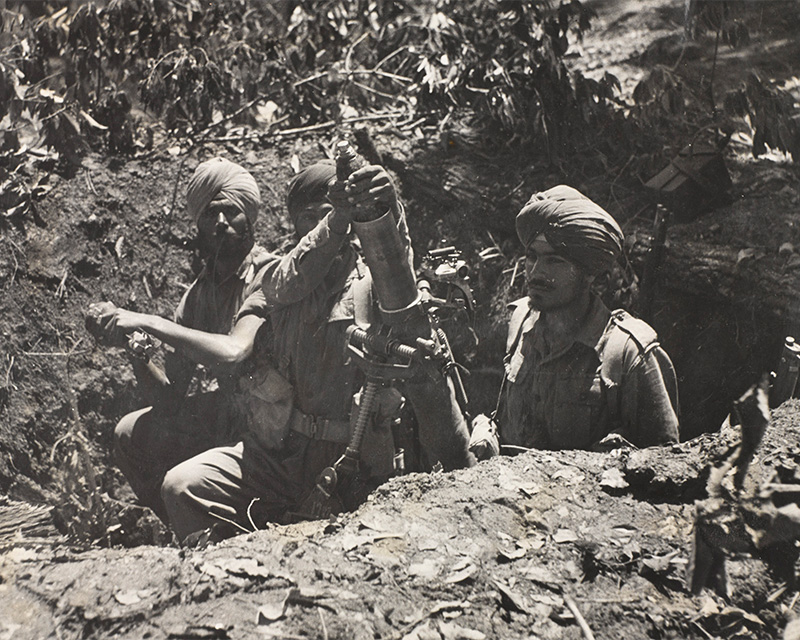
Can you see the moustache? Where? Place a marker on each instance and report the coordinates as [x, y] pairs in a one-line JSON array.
[[539, 283], [223, 229]]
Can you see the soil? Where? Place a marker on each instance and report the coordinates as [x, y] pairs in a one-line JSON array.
[[509, 549], [497, 551]]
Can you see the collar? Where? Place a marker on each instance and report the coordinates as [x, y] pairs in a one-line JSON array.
[[590, 333], [246, 271]]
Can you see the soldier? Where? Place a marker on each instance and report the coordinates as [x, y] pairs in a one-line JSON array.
[[221, 324], [315, 292], [577, 376]]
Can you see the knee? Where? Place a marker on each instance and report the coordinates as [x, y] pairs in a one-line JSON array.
[[178, 483], [126, 427]]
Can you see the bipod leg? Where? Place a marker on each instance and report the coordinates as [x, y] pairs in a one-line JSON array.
[[324, 499]]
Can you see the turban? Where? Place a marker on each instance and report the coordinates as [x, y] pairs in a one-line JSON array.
[[310, 185], [222, 178], [574, 226]]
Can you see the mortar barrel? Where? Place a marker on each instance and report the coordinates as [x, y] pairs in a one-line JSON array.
[[387, 259]]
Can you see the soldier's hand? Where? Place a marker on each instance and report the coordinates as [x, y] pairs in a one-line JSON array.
[[343, 208], [96, 317], [612, 441], [484, 442], [371, 189], [111, 324]]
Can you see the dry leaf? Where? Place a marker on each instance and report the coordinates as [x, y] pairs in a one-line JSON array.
[[660, 564], [505, 555], [275, 609], [127, 597], [613, 479], [426, 569], [510, 600], [428, 544], [565, 535], [745, 254], [92, 122], [462, 571], [452, 631], [542, 576]]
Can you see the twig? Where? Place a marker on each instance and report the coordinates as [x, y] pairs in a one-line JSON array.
[[375, 91], [230, 116], [513, 277], [89, 182], [60, 354], [705, 633], [382, 74], [351, 48], [8, 373], [61, 289], [14, 257], [249, 514], [324, 628], [54, 114], [713, 71], [175, 190], [390, 56], [587, 632], [413, 124], [316, 76], [231, 522], [314, 127]]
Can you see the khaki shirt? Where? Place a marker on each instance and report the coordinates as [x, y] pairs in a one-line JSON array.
[[317, 291], [255, 399], [311, 293], [565, 399]]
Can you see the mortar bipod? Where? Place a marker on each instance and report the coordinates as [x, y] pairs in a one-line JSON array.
[[370, 350]]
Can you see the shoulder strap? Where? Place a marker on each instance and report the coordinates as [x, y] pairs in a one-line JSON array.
[[521, 313], [623, 327]]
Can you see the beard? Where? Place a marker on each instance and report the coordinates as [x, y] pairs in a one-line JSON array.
[[224, 246]]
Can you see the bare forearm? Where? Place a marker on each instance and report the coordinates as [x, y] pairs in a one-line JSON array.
[[210, 349]]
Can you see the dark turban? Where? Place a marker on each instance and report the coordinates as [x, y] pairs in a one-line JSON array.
[[222, 178], [574, 226], [310, 185]]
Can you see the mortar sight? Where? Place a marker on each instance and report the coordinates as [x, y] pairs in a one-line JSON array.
[[447, 276]]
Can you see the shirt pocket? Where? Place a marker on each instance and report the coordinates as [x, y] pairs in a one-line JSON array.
[[265, 398], [577, 411]]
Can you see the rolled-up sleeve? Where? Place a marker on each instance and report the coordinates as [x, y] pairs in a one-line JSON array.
[[298, 273]]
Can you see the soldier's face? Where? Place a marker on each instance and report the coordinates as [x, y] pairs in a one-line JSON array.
[[553, 282], [223, 228], [310, 215]]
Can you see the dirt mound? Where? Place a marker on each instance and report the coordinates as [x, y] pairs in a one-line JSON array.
[[534, 546]]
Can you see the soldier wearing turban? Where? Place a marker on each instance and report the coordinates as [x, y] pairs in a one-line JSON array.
[[316, 292], [577, 376], [220, 323]]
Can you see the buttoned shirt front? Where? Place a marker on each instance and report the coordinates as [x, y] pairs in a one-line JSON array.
[[558, 398]]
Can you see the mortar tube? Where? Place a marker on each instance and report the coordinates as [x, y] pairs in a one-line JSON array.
[[387, 259]]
